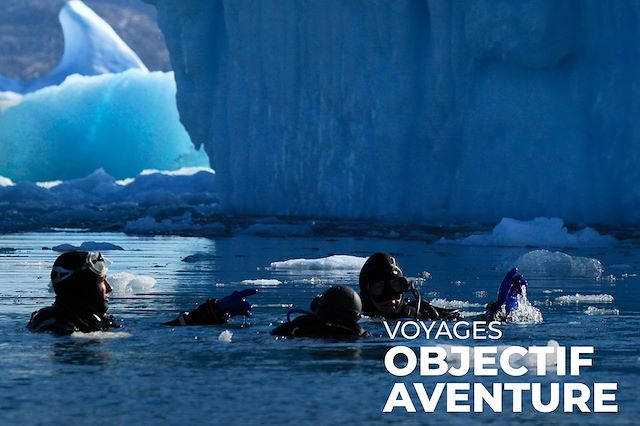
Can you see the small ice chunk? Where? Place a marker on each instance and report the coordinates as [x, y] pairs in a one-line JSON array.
[[124, 283], [225, 336], [6, 181], [592, 310], [261, 282], [589, 298], [341, 262], [544, 263]]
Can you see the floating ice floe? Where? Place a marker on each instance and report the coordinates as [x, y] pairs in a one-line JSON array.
[[540, 231], [101, 335], [592, 310], [125, 283], [581, 298], [87, 246], [544, 263], [261, 282], [225, 336], [335, 262]]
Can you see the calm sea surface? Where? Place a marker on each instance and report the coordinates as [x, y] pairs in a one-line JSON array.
[[145, 373]]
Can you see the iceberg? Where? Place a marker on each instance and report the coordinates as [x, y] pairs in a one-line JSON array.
[[541, 231], [413, 111], [123, 123], [91, 47], [99, 108]]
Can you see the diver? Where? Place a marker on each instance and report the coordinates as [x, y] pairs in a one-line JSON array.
[[79, 280], [334, 315], [383, 290]]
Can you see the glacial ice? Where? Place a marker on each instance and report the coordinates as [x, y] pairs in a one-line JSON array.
[[411, 111], [100, 108], [91, 47], [123, 123]]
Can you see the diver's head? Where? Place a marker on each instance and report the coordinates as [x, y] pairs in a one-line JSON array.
[[338, 305], [79, 279], [382, 285]]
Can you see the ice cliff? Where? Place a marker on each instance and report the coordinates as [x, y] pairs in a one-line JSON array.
[[414, 111]]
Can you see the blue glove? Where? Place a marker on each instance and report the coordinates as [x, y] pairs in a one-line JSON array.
[[235, 303], [505, 286], [511, 287]]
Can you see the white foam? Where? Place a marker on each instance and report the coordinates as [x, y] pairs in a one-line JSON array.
[[444, 303], [544, 263], [125, 283], [580, 298], [335, 262], [525, 312]]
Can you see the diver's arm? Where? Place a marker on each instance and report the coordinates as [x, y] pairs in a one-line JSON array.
[[214, 311], [205, 314]]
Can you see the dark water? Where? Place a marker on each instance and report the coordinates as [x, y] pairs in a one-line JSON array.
[[148, 374]]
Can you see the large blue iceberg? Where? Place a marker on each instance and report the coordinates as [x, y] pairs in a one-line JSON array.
[[414, 111], [100, 108]]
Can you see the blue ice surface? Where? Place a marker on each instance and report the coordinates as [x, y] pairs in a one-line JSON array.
[[154, 374], [123, 123], [414, 112]]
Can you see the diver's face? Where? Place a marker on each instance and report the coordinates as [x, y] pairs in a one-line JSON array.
[[103, 289], [391, 306]]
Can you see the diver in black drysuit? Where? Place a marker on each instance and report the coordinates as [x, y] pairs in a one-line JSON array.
[[79, 280], [334, 315], [383, 290]]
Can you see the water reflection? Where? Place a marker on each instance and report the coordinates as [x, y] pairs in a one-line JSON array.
[[80, 352]]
